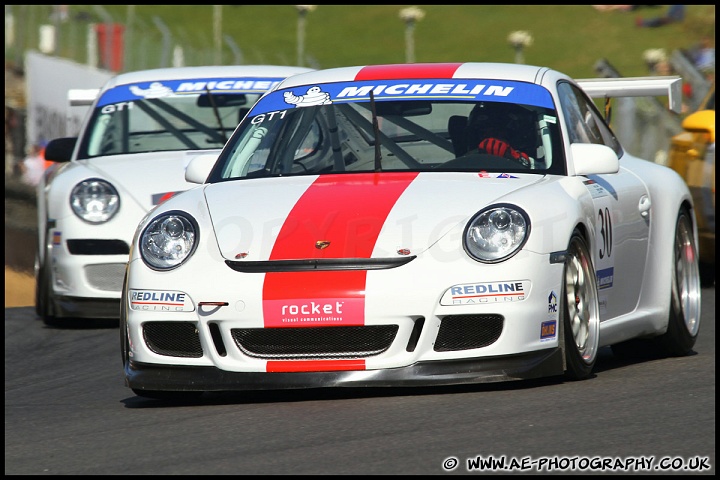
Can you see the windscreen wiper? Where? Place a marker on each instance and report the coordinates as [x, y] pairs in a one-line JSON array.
[[376, 132], [167, 125], [217, 113], [380, 138], [201, 127]]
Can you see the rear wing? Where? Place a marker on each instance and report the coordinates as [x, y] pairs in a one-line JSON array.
[[78, 97], [636, 87]]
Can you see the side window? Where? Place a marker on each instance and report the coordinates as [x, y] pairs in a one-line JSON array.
[[310, 143], [107, 135], [583, 121]]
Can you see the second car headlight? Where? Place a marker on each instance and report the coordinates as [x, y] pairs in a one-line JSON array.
[[94, 200], [168, 240], [496, 233]]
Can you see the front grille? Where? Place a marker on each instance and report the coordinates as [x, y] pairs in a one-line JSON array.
[[315, 342], [105, 276], [97, 247], [319, 264], [173, 339], [463, 332]]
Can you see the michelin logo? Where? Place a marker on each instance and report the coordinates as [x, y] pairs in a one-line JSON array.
[[228, 86], [158, 90], [314, 96], [155, 90]]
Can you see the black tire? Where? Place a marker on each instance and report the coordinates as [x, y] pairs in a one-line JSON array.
[[39, 300], [124, 344], [707, 274], [685, 293], [43, 306], [579, 311]]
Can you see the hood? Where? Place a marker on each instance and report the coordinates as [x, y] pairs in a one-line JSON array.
[[146, 178], [370, 215]]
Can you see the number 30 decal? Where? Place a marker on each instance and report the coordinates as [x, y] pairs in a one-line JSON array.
[[605, 223]]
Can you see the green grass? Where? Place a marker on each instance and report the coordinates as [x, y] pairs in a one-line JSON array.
[[568, 38]]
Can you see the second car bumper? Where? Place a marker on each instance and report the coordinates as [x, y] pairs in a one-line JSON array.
[[78, 307]]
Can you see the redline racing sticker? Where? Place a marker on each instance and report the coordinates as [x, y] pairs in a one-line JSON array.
[[160, 301], [486, 292]]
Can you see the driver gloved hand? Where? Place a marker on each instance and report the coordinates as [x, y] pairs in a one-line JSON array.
[[500, 148]]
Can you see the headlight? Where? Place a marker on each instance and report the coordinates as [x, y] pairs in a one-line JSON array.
[[94, 200], [168, 240], [496, 233]]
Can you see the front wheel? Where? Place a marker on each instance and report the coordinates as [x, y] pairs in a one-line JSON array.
[[43, 309], [579, 312]]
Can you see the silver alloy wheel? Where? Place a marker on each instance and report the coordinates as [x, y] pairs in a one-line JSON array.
[[686, 276], [582, 302]]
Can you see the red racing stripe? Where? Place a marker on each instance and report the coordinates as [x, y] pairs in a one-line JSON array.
[[314, 365], [408, 71], [348, 211]]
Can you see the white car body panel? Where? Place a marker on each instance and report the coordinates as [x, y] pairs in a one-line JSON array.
[[295, 252], [416, 232]]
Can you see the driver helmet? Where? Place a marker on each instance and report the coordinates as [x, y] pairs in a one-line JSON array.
[[508, 122]]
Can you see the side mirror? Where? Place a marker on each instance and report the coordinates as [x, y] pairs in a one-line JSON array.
[[199, 168], [60, 149], [593, 159]]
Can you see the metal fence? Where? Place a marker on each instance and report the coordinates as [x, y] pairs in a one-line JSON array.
[[95, 38]]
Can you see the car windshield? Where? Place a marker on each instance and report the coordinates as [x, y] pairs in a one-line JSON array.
[[195, 114], [397, 126]]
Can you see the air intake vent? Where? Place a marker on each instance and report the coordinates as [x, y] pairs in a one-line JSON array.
[[315, 342], [463, 332], [173, 339]]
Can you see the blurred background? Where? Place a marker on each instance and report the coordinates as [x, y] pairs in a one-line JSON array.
[[567, 38], [581, 40]]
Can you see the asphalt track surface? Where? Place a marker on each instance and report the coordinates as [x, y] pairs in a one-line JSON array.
[[67, 412]]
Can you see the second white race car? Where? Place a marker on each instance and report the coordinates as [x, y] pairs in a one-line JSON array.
[[143, 129]]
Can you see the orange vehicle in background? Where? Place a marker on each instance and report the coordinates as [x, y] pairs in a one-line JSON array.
[[34, 165], [692, 155]]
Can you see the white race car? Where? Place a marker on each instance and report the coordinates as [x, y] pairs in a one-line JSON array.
[[414, 224], [143, 129]]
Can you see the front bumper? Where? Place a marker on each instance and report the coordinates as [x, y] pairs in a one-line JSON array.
[[541, 363]]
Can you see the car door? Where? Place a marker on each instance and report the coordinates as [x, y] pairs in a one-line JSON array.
[[622, 210]]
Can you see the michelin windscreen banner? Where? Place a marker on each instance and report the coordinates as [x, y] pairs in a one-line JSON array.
[[48, 81]]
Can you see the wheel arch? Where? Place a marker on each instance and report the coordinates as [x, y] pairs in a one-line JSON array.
[[655, 294], [574, 366]]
